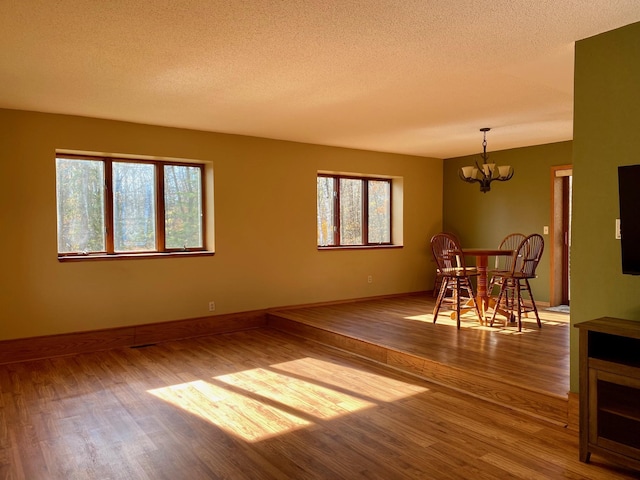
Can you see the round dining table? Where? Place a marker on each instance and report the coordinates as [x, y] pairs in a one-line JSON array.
[[482, 262]]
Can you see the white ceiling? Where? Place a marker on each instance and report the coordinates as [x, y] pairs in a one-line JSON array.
[[419, 77]]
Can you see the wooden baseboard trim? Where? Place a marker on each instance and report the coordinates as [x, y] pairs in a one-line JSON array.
[[34, 348], [347, 300]]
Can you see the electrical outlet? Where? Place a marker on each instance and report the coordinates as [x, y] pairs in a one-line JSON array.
[[618, 233], [212, 306], [370, 279]]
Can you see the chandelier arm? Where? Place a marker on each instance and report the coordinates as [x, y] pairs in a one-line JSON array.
[[481, 170], [504, 179], [469, 180]]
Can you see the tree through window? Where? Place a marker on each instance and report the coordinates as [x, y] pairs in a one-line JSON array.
[[116, 206], [353, 211]]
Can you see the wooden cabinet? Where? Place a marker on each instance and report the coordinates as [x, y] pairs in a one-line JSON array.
[[610, 390]]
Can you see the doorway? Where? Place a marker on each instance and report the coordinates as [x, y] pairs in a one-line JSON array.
[[560, 234]]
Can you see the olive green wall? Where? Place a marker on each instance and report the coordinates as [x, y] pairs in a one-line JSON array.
[[265, 230], [522, 204], [606, 135]]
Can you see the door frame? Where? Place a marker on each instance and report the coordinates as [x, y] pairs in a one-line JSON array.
[[556, 237]]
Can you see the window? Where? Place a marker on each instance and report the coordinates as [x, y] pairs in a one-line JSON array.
[[120, 206], [353, 211]]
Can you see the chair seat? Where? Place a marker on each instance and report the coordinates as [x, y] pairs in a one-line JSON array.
[[459, 272], [515, 275], [498, 272]]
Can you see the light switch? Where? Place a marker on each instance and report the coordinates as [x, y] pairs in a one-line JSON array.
[[618, 234], [545, 230]]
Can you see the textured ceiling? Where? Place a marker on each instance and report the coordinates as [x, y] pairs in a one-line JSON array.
[[418, 77]]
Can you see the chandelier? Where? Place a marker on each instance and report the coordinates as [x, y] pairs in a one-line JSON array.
[[487, 172]]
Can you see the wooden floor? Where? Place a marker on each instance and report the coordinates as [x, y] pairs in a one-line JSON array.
[[262, 404], [527, 370]]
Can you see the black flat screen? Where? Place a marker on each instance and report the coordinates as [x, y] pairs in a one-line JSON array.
[[629, 193]]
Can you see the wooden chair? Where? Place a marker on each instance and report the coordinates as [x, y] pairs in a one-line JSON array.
[[437, 283], [504, 263], [516, 282], [456, 276]]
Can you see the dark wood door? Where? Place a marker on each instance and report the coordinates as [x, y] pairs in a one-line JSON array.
[[566, 235]]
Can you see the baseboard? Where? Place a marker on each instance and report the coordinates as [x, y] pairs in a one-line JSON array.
[[349, 300], [34, 348]]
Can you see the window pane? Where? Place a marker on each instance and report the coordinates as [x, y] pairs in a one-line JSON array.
[[134, 205], [183, 206], [350, 211], [80, 196], [326, 225], [379, 211]]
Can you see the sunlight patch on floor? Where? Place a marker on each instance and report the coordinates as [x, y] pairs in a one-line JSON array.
[[421, 318], [555, 318], [232, 412], [259, 403], [471, 322], [371, 385], [302, 396]]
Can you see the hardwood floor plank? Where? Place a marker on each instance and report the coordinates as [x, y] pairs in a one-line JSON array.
[[406, 323], [527, 371], [263, 404]]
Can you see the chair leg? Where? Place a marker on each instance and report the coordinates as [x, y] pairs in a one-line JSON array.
[[501, 295], [443, 288], [493, 284], [437, 284], [533, 302], [472, 296], [458, 302], [511, 301], [519, 302], [456, 288]]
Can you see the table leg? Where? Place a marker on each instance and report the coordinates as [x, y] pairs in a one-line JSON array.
[[481, 294], [482, 298]]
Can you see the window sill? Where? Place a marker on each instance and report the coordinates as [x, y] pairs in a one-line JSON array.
[[132, 256], [359, 247]]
